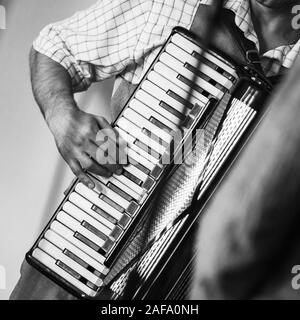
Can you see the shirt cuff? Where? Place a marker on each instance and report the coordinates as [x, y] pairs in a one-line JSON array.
[[80, 73]]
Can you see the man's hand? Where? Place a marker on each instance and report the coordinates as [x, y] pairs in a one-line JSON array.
[[74, 131], [75, 134]]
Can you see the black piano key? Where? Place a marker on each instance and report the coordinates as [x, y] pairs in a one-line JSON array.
[[89, 243], [213, 66], [111, 203], [194, 86], [76, 275], [91, 285], [66, 268], [85, 265], [104, 214], [119, 191], [205, 77], [172, 110], [160, 125], [71, 255], [94, 230], [157, 139], [175, 96], [139, 166], [133, 178], [147, 149]]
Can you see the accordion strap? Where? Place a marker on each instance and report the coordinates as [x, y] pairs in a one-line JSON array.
[[228, 37]]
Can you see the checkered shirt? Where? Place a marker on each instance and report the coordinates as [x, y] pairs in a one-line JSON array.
[[122, 37]]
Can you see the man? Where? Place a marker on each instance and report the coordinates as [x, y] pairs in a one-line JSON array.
[[121, 38]]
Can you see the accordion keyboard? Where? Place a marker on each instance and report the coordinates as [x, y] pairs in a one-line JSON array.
[[85, 232]]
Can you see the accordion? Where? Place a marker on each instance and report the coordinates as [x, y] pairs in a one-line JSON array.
[[132, 230]]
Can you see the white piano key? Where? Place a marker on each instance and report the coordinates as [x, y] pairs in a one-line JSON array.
[[178, 68], [101, 188], [171, 75], [145, 124], [80, 215], [86, 206], [74, 225], [147, 112], [189, 47], [133, 147], [167, 84], [51, 264], [63, 244], [131, 132], [122, 186], [57, 254], [136, 158], [144, 158], [136, 172], [93, 197], [183, 56], [131, 184], [153, 94], [68, 234], [152, 101]]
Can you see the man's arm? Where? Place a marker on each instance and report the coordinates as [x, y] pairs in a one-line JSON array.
[[68, 56], [74, 131]]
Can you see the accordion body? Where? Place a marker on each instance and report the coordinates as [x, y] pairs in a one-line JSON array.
[[131, 236]]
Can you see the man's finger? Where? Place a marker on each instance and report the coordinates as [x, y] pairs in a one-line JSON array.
[[91, 149], [108, 159], [98, 167], [80, 174], [92, 166], [103, 123], [106, 130]]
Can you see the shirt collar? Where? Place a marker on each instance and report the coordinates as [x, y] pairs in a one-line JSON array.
[[283, 55]]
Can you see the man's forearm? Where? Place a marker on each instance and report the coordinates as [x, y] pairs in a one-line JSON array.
[[51, 85], [74, 131]]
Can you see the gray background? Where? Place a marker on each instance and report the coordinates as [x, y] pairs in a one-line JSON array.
[[33, 176]]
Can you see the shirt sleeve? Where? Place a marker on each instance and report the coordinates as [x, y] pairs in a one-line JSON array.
[[96, 43]]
